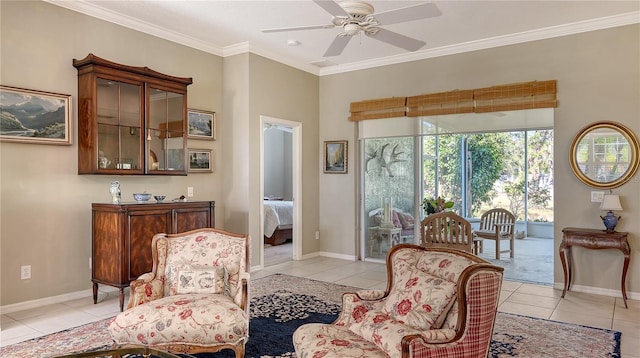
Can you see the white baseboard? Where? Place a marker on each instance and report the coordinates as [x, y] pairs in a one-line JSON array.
[[256, 268], [27, 305], [598, 291], [337, 256]]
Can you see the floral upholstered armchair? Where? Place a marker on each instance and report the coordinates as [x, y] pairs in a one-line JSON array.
[[195, 299], [439, 302]]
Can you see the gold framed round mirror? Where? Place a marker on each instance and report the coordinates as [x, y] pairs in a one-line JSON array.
[[604, 155]]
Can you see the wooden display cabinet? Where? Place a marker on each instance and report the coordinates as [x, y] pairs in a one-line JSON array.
[[131, 120], [122, 233]]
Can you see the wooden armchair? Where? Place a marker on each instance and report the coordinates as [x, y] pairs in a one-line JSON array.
[[195, 299], [446, 229], [498, 224], [438, 303]]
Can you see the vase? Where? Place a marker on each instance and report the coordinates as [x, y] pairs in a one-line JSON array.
[[115, 192]]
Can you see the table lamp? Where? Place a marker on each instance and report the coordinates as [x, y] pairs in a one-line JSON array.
[[610, 202]]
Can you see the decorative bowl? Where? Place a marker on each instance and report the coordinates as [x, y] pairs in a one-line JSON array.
[[142, 197], [159, 197]]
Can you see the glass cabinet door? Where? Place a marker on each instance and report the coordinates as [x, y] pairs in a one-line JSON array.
[[165, 137], [119, 120]]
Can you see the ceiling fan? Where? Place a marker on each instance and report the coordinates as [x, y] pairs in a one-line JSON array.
[[358, 16]]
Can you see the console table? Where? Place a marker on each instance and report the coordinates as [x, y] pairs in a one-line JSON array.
[[595, 240]]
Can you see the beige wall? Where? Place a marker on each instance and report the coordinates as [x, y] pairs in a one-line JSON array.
[[598, 77], [283, 92], [45, 206]]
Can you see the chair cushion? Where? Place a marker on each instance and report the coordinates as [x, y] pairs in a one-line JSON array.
[[198, 318], [327, 340], [381, 328], [490, 233]]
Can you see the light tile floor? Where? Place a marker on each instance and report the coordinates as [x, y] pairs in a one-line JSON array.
[[528, 299]]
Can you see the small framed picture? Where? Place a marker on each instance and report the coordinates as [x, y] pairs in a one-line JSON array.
[[30, 116], [335, 157], [202, 124], [200, 161]]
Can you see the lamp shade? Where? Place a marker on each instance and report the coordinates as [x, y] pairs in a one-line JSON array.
[[611, 202]]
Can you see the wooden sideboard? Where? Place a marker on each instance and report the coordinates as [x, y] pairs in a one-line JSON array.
[[122, 233], [595, 240]]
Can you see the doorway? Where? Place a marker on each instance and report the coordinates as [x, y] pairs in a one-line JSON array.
[[280, 190]]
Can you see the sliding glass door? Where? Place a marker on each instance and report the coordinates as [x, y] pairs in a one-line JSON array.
[[389, 202], [508, 163]]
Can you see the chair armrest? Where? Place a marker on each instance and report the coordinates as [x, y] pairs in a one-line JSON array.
[[145, 289], [503, 228], [371, 294], [352, 300], [432, 336], [244, 302]]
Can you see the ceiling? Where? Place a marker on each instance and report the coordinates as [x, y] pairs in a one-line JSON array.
[[227, 28]]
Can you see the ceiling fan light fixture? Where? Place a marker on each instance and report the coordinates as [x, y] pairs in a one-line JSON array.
[[351, 29]]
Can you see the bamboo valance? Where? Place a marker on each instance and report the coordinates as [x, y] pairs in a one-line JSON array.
[[528, 95], [440, 103], [378, 108]]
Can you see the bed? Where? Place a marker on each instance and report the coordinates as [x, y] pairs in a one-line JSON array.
[[278, 221]]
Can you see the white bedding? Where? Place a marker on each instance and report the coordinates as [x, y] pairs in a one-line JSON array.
[[277, 214]]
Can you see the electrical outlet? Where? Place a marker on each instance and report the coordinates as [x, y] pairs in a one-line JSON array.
[[90, 263], [597, 196], [190, 192], [317, 235], [25, 272]]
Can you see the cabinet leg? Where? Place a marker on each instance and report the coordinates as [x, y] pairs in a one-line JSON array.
[[95, 293], [121, 297]]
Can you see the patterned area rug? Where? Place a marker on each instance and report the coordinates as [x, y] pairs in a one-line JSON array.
[[281, 303]]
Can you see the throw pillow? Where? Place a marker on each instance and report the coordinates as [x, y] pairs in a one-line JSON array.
[[201, 280], [406, 220], [420, 300], [396, 219]]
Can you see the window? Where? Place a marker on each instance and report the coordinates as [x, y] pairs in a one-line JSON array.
[[481, 171]]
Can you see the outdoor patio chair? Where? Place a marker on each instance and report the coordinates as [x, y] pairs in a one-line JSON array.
[[446, 229], [498, 224]]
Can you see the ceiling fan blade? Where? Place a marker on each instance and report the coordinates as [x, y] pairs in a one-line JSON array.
[[331, 7], [312, 27], [337, 46], [395, 39], [410, 13]]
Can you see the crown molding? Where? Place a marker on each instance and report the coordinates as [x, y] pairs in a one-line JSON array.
[[517, 38], [93, 10], [245, 47], [101, 13]]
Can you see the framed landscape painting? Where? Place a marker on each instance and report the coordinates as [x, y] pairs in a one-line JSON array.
[[202, 124], [29, 116], [335, 157], [200, 161]]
